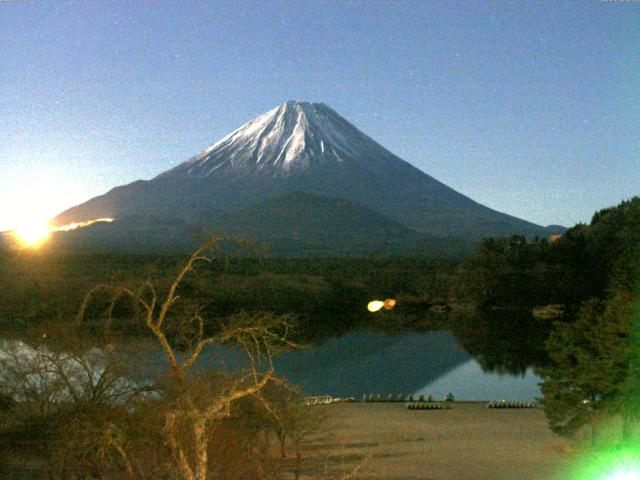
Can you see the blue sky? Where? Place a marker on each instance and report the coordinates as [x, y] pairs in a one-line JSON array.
[[530, 108]]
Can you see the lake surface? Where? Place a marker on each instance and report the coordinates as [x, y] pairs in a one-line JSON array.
[[371, 362]]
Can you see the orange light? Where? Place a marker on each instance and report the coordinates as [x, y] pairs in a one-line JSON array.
[[376, 305]]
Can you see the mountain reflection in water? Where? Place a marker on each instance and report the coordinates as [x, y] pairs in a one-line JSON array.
[[470, 382], [373, 362]]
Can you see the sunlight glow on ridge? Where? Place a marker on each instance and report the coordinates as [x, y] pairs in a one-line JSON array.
[[33, 234]]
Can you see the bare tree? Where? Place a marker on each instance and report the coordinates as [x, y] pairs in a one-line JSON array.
[[197, 406], [43, 376], [71, 402]]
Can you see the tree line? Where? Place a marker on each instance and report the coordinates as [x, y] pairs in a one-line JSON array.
[[327, 296]]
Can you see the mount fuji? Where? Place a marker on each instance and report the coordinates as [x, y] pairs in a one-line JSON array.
[[295, 161]]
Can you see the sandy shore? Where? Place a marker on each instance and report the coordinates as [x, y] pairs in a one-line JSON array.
[[468, 441]]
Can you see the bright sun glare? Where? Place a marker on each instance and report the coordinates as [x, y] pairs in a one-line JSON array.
[[32, 234], [35, 233]]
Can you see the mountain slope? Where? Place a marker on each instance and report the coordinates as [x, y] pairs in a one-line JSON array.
[[293, 225], [301, 224], [305, 147]]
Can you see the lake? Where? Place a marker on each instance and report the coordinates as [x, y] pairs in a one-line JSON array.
[[373, 362]]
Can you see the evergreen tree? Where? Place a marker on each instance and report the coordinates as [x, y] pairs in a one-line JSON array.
[[593, 366], [629, 402]]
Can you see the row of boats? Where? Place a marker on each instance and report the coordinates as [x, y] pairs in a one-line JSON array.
[[401, 398], [505, 404], [428, 405], [421, 403]]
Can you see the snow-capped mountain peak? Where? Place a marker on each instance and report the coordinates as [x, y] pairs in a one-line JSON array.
[[284, 140], [299, 147]]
